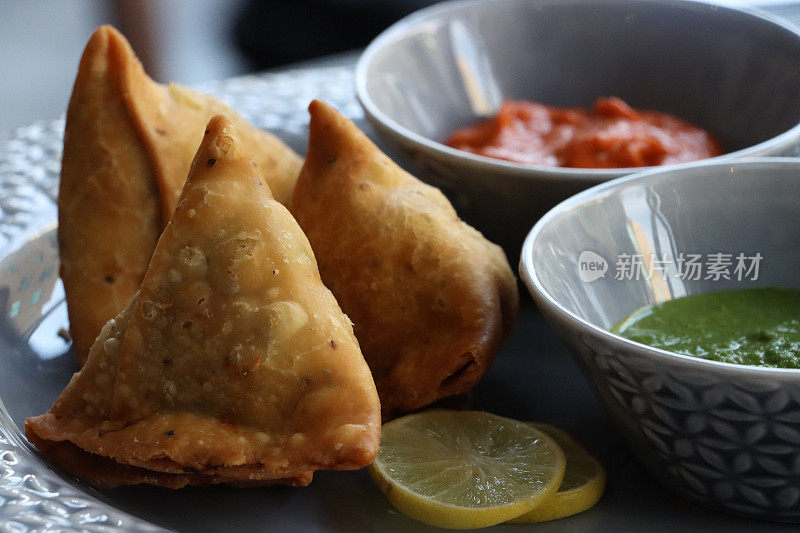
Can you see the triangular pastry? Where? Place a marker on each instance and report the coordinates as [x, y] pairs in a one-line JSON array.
[[430, 298], [233, 362], [128, 144]]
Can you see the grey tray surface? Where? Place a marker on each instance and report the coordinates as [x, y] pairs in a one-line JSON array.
[[534, 378]]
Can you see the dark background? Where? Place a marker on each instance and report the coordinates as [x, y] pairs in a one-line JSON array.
[[187, 41], [274, 33]]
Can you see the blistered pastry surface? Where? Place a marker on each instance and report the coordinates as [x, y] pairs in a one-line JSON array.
[[233, 353], [431, 299], [129, 143], [35, 496]]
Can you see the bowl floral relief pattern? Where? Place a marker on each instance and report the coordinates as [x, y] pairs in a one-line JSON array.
[[726, 443], [33, 496]]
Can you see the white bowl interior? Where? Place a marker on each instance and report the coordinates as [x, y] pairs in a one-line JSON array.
[[748, 207], [730, 72]]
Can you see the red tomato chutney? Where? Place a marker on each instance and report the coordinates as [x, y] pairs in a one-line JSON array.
[[611, 135]]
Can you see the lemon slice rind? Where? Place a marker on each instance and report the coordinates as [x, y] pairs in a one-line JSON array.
[[586, 486], [431, 462]]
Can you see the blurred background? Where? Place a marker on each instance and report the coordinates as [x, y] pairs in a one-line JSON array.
[[190, 41]]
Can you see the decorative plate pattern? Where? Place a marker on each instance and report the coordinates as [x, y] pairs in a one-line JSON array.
[[34, 497]]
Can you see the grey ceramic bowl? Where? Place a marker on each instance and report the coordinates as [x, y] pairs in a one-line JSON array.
[[725, 435], [734, 72]]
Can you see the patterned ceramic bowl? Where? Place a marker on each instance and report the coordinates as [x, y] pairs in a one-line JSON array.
[[725, 435], [729, 70]]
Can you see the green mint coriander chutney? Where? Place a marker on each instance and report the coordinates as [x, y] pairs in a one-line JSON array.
[[748, 327]]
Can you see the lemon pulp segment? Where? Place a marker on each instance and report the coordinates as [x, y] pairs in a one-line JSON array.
[[466, 469]]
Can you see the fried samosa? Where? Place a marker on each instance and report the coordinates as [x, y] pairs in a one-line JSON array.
[[430, 298], [128, 144], [233, 363]]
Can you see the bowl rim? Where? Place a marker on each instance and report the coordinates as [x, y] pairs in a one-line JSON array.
[[409, 23], [544, 299]]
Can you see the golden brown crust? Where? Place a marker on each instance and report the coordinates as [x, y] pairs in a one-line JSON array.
[[106, 473], [429, 296], [233, 360], [109, 213], [171, 120], [128, 145]]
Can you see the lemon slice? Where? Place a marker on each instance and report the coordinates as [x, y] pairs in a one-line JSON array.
[[583, 484], [465, 469]]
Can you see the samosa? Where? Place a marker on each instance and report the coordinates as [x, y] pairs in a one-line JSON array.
[[128, 144], [232, 363], [430, 298]]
